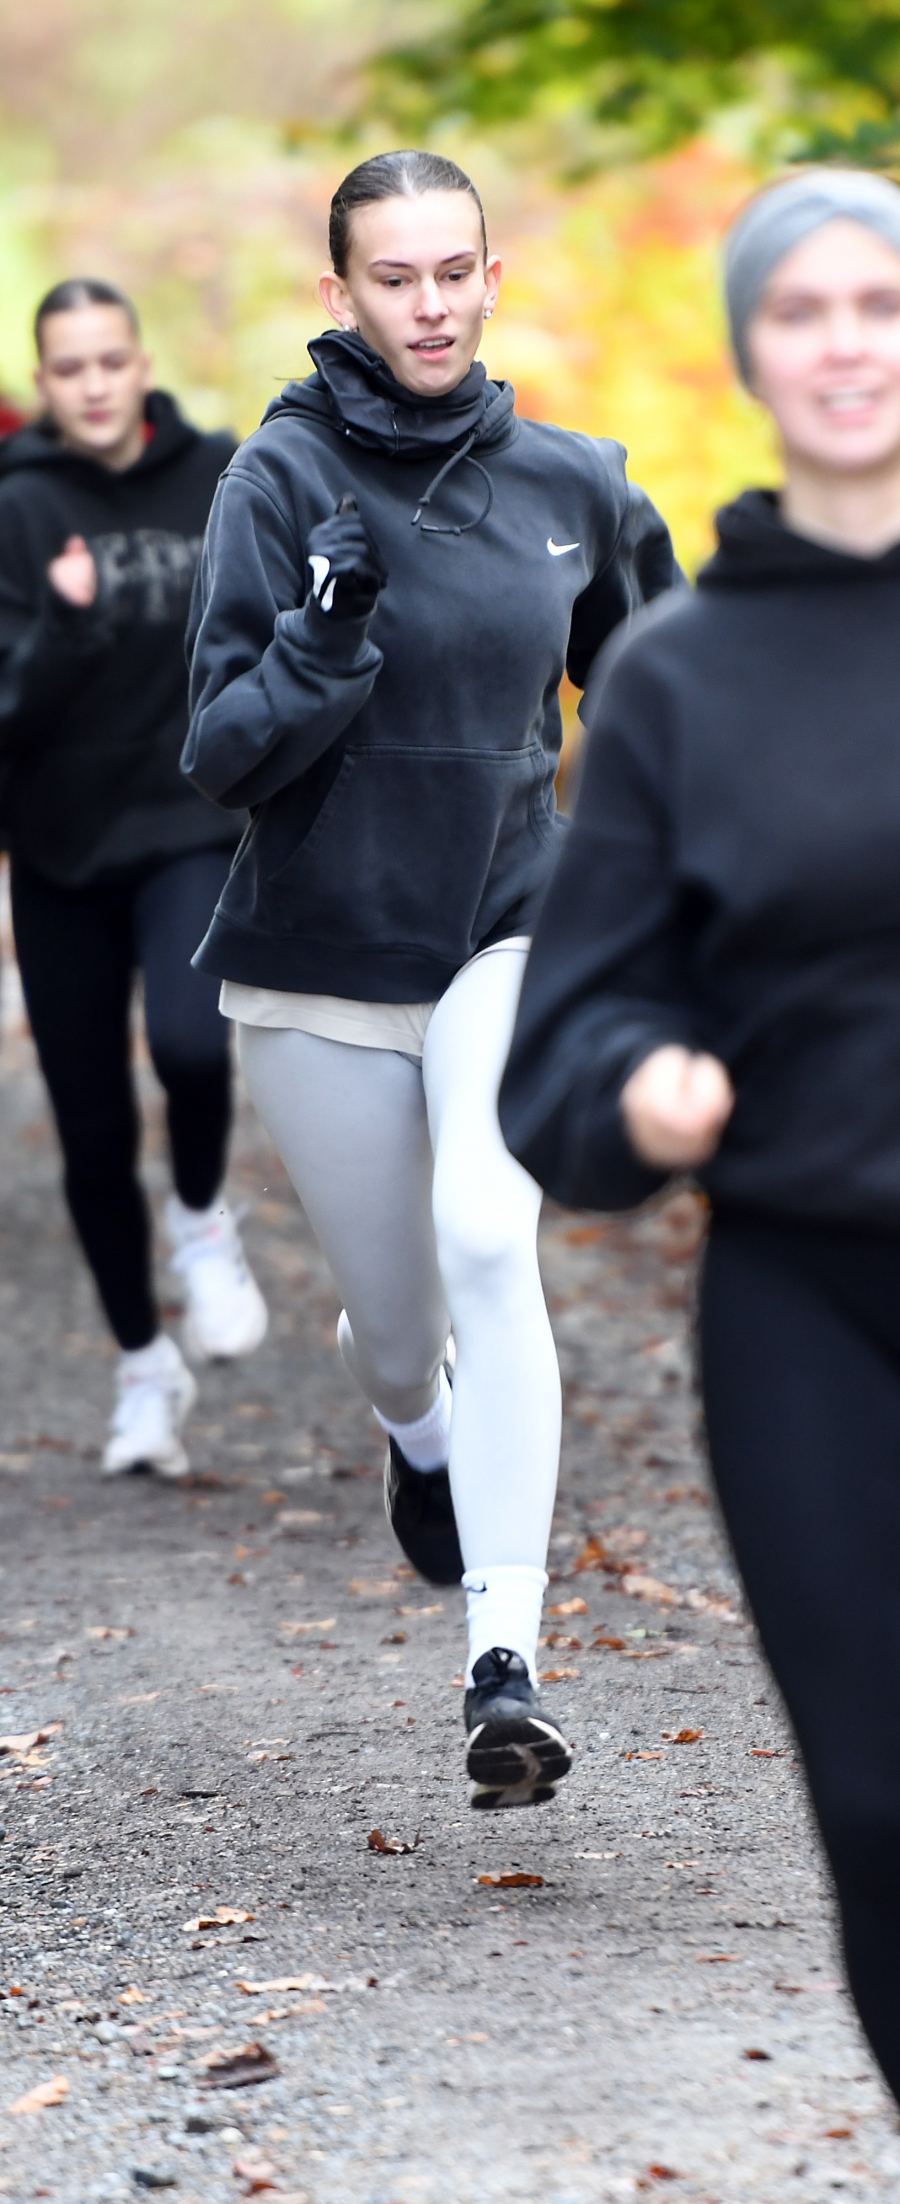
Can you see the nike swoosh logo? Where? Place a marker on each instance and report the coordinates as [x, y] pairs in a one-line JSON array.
[[556, 549]]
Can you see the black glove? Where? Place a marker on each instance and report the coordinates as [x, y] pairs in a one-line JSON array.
[[347, 573]]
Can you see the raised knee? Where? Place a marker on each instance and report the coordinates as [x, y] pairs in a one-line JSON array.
[[478, 1253]]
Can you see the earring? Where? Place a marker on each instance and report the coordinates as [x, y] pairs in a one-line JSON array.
[[488, 312]]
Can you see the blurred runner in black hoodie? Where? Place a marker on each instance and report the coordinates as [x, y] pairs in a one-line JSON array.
[[715, 986], [117, 862]]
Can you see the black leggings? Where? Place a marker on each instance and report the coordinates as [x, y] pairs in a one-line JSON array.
[[78, 951], [801, 1373]]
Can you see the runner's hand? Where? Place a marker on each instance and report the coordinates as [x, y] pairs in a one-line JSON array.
[[347, 572], [73, 574], [675, 1107]]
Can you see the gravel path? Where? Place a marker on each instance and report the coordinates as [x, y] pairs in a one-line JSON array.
[[658, 2011]]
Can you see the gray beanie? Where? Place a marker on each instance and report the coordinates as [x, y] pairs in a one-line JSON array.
[[775, 221]]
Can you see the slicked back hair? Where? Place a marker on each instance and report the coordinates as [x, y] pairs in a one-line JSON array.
[[77, 291], [403, 175]]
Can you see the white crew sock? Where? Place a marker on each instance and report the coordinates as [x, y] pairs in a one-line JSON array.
[[503, 1606], [157, 1360], [425, 1443]]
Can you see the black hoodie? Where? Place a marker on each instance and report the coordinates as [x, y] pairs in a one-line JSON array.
[[731, 881], [400, 770], [93, 701]]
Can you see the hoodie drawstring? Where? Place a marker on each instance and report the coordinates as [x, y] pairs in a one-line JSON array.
[[433, 528]]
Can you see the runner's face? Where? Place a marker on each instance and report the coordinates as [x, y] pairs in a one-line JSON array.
[[824, 348], [93, 378], [417, 285]]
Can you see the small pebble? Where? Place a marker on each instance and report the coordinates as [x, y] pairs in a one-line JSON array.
[[153, 2177]]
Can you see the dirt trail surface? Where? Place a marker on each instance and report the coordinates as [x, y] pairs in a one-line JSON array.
[[233, 1683]]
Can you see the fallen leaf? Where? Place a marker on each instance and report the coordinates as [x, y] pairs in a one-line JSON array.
[[753, 2054], [372, 1587], [377, 1842], [103, 1630], [616, 1645], [224, 1917], [131, 1996], [259, 2172], [557, 1675], [843, 2132], [26, 1740], [569, 1607], [663, 2173], [514, 1879], [637, 1586], [236, 2069], [282, 1982], [236, 1577], [716, 1958], [271, 1499], [594, 1555], [643, 1756], [397, 1637], [437, 1609], [624, 1541], [682, 1737], [46, 2093], [766, 1752], [558, 1637], [301, 1629]]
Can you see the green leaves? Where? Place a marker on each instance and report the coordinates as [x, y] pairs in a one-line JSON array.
[[823, 75]]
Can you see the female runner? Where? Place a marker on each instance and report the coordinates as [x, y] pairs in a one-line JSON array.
[[397, 572], [116, 865], [715, 985]]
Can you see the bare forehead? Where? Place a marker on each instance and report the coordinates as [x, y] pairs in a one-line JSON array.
[[840, 256], [431, 226], [80, 331]]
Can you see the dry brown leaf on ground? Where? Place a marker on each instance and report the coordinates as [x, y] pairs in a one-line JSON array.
[[643, 1755], [47, 2093], [557, 1675], [716, 1958], [103, 1630], [569, 1607], [281, 1982], [623, 1540], [616, 1645], [377, 1842], [595, 1555], [132, 1996], [556, 1638], [437, 1609], [663, 2173], [237, 2069], [258, 2172], [755, 2054], [224, 1917], [372, 1587], [26, 1740], [637, 1586], [301, 1629], [512, 1879], [681, 1737]]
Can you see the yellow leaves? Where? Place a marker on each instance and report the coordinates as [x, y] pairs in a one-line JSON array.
[[682, 1737], [47, 2093]]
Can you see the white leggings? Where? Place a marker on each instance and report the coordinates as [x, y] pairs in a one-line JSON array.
[[427, 1221]]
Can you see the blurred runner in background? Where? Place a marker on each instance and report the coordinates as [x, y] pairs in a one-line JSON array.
[[715, 986], [397, 573], [116, 861]]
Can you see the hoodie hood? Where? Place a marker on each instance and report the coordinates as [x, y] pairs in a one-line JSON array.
[[38, 445], [757, 549], [355, 390]]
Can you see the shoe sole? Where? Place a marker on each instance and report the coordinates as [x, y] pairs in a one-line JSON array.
[[516, 1763]]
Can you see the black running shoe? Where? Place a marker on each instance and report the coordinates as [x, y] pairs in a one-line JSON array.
[[420, 1512], [516, 1757]]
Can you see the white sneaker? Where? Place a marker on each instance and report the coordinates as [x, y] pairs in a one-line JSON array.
[[225, 1314], [154, 1390]]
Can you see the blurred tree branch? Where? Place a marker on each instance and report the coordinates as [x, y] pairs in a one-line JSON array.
[[815, 77]]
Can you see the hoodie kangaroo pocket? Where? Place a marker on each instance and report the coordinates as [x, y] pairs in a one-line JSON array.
[[416, 847]]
